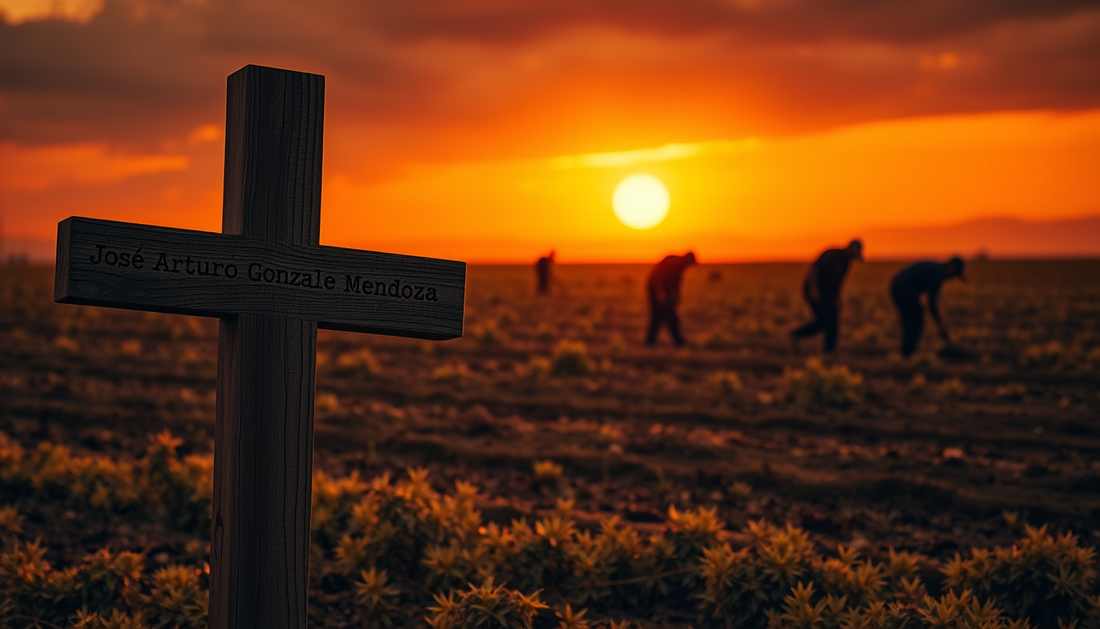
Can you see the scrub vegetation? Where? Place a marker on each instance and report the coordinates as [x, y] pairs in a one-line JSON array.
[[548, 470]]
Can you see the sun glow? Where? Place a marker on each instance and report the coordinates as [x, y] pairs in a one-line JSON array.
[[640, 201]]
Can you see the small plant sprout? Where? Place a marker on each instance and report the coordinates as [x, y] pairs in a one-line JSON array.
[[490, 335], [357, 363], [66, 344], [537, 368], [718, 339], [952, 389], [608, 434], [570, 359], [328, 403], [817, 386], [726, 382], [451, 372], [739, 489], [1013, 391], [11, 523], [547, 471], [918, 383], [1052, 354], [130, 348], [569, 619], [616, 345], [375, 599], [485, 606]]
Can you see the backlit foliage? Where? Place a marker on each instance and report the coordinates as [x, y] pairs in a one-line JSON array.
[[1042, 578], [178, 491], [395, 541], [375, 599], [485, 606], [570, 359], [818, 386]]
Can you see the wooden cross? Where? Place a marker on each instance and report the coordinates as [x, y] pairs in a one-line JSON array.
[[271, 285]]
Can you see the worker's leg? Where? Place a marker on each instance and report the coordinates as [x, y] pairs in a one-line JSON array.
[[654, 323], [830, 321], [911, 317], [673, 321], [912, 324], [811, 328]]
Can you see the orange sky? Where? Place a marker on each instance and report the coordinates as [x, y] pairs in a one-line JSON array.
[[487, 130]]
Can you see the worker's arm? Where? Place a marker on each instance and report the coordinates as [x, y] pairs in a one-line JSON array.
[[933, 307]]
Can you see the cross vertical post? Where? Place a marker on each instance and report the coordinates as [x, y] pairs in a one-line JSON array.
[[263, 438]]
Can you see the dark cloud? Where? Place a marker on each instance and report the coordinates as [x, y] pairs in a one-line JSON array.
[[498, 78], [895, 21]]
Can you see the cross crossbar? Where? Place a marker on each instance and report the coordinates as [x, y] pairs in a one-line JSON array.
[[179, 271]]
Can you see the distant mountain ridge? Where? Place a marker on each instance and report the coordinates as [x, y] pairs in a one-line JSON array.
[[997, 238]]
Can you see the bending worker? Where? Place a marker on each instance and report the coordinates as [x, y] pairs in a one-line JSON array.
[[663, 286], [542, 272], [821, 289], [906, 288]]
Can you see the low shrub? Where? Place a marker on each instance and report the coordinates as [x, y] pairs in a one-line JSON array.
[[953, 388], [361, 362], [375, 599], [547, 471], [1012, 391], [485, 606], [332, 502], [452, 372], [384, 533], [726, 382], [181, 489], [1051, 354], [489, 335], [11, 523], [719, 339], [1046, 580], [537, 368], [393, 524], [570, 359], [870, 335], [918, 384], [104, 582], [178, 491], [106, 591], [130, 349], [817, 386]]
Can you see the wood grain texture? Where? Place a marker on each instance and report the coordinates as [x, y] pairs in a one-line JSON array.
[[263, 459], [80, 281], [263, 463]]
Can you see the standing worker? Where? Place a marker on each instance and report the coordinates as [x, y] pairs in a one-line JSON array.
[[906, 288], [542, 272], [663, 286], [821, 289]]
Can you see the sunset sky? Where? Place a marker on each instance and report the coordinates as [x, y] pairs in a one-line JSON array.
[[492, 130]]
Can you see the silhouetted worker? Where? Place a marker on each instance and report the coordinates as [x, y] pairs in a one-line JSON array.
[[663, 286], [821, 289], [542, 272], [906, 289]]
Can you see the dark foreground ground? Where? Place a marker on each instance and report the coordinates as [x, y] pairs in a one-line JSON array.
[[930, 457]]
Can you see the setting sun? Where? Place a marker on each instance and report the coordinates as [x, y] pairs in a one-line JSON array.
[[640, 201]]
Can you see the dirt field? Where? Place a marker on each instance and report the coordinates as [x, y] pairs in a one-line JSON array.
[[927, 456]]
